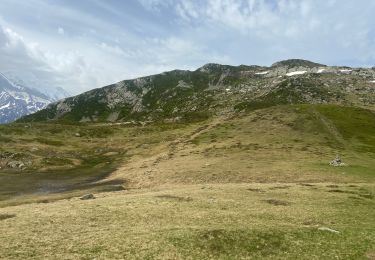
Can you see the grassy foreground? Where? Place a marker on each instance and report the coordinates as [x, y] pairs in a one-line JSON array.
[[228, 221], [253, 185]]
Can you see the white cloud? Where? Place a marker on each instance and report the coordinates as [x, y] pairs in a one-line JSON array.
[[30, 60], [60, 31], [113, 49], [155, 5], [112, 42], [88, 65]]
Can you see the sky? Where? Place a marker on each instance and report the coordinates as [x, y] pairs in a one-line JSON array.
[[81, 45]]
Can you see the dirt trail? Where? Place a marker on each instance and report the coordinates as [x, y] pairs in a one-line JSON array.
[[330, 127]]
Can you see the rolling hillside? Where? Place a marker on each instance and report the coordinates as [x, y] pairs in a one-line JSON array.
[[219, 163]]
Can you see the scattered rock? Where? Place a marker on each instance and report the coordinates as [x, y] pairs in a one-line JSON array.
[[337, 162], [88, 197], [328, 229], [5, 155], [77, 134], [16, 165]]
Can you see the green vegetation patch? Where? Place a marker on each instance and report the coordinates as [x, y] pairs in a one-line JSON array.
[[49, 141], [227, 244], [356, 125]]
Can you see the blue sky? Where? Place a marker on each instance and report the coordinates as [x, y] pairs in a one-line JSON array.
[[80, 45]]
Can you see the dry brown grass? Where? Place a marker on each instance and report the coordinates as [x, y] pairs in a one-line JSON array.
[[256, 186], [164, 224], [260, 147]]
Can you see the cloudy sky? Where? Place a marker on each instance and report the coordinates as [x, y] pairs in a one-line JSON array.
[[80, 45]]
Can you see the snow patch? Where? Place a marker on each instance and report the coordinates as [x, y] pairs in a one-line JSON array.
[[5, 106], [321, 70], [300, 72], [346, 71], [262, 73]]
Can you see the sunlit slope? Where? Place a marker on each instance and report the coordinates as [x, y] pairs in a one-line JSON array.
[[220, 221], [278, 144], [252, 184]]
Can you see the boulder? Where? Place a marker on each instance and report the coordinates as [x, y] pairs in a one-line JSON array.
[[337, 162]]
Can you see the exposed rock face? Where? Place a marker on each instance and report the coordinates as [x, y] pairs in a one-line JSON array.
[[216, 89], [62, 108]]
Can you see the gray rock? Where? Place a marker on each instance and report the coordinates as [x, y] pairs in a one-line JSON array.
[[88, 197], [337, 162], [16, 165]]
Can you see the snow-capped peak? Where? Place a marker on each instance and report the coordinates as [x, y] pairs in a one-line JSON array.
[[17, 101]]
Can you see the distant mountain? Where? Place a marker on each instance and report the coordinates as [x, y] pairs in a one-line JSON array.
[[17, 101], [215, 89], [53, 93]]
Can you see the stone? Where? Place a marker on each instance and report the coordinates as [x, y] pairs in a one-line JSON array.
[[88, 197], [337, 162], [16, 165]]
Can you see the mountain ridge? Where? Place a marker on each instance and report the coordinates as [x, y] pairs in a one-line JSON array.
[[181, 95]]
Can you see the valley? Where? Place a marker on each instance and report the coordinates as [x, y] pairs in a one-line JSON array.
[[220, 163]]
